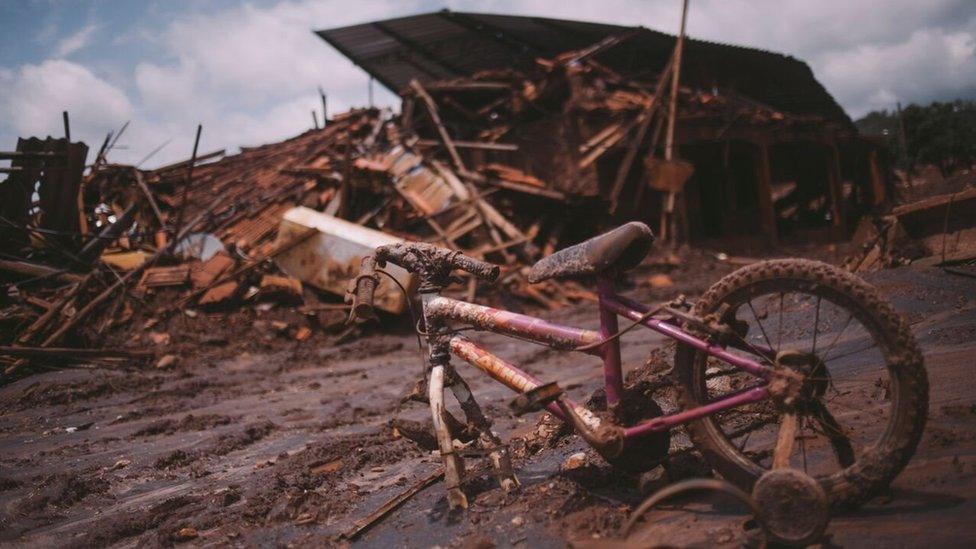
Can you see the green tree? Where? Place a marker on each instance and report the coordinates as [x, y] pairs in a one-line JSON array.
[[942, 133]]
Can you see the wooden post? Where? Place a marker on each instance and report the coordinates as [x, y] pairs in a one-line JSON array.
[[418, 88], [189, 179], [672, 107], [315, 120], [878, 191], [836, 190], [648, 115], [668, 216], [764, 190], [325, 107]]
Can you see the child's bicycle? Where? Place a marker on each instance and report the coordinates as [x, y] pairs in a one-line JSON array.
[[783, 363]]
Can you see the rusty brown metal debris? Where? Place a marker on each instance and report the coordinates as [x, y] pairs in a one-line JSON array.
[[504, 165]]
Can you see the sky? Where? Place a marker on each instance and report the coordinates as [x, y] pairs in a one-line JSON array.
[[248, 71]]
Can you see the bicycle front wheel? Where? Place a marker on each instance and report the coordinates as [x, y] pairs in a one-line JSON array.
[[865, 400]]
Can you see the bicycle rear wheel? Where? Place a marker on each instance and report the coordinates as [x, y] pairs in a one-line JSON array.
[[865, 400]]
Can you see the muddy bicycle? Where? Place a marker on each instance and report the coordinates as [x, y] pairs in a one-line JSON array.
[[783, 363]]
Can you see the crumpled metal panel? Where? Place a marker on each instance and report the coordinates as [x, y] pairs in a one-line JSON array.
[[331, 259]]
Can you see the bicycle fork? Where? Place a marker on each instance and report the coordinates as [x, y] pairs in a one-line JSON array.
[[442, 375]]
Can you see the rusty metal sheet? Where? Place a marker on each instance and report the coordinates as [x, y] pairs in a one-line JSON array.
[[156, 277], [330, 260]]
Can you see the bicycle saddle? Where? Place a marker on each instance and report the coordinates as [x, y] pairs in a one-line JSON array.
[[620, 249]]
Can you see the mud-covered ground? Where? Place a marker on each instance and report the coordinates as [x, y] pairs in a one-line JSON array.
[[254, 438]]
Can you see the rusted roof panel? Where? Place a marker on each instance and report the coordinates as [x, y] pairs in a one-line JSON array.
[[447, 44]]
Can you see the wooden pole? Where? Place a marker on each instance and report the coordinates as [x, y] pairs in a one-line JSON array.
[[672, 107], [672, 115], [325, 107], [67, 126], [648, 114], [315, 120], [428, 101], [189, 179], [764, 188]]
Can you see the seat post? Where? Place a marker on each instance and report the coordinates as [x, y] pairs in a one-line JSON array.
[[612, 371]]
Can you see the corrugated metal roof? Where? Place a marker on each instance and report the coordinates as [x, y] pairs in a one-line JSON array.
[[447, 44]]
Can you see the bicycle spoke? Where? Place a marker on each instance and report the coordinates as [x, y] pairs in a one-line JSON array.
[[836, 339], [803, 444], [852, 353], [745, 440], [816, 324], [779, 330], [841, 443], [763, 330]]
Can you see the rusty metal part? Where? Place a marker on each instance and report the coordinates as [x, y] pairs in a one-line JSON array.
[[607, 438], [536, 399], [433, 264], [788, 378], [514, 324], [334, 253], [498, 369], [498, 454], [453, 466], [362, 289], [690, 485], [793, 507], [515, 379]]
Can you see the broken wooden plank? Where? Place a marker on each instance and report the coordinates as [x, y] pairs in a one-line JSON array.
[[483, 145], [159, 277], [371, 519], [436, 119], [38, 270], [64, 352]]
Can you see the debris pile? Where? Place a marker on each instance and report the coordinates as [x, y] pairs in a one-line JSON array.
[[936, 231], [506, 165]]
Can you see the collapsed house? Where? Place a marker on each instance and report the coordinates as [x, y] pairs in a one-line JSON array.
[[577, 108], [517, 136]]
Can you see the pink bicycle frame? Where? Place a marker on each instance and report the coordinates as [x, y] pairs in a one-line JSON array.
[[569, 338]]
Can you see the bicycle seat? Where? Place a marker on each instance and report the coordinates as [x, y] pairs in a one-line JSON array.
[[621, 249]]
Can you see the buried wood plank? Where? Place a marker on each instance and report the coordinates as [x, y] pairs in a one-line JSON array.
[[371, 519]]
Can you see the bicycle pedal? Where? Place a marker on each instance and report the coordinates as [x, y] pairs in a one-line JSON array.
[[536, 399]]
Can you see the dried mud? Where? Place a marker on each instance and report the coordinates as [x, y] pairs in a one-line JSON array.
[[257, 439]]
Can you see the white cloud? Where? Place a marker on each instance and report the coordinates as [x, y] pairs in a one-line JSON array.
[[72, 43], [33, 96], [249, 73], [927, 65]]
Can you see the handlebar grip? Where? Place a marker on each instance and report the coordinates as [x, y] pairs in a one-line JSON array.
[[478, 268], [363, 290]]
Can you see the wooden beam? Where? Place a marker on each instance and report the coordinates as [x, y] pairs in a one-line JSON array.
[[668, 216], [767, 214], [625, 166], [71, 353], [418, 88], [485, 145], [38, 270], [835, 176]]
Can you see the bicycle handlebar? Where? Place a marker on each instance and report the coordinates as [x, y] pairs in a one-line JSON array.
[[363, 288], [481, 269], [414, 257]]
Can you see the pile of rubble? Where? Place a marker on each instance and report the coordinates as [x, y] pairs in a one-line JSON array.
[[933, 230], [506, 166]]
